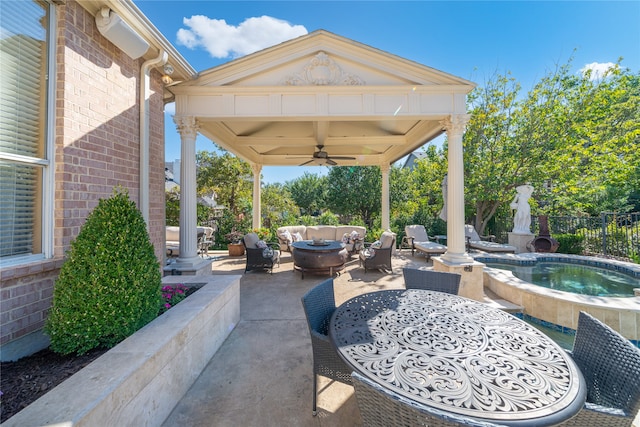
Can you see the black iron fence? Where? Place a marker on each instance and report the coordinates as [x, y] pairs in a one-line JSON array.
[[609, 234]]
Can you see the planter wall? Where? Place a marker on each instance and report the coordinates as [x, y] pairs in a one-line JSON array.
[[139, 381]]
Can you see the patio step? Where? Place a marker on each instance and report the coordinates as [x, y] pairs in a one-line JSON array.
[[494, 300]]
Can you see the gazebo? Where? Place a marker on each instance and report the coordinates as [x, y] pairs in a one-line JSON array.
[[321, 99]]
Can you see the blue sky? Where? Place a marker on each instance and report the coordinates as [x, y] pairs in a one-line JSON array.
[[472, 40]]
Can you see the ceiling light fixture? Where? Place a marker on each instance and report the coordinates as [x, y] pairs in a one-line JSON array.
[[168, 70]]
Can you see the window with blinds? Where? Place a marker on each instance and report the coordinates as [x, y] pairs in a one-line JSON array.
[[23, 124]]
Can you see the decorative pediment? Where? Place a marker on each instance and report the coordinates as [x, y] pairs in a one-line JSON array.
[[363, 106], [322, 71]]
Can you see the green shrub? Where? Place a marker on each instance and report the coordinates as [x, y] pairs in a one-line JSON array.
[[109, 285], [328, 218], [570, 243]]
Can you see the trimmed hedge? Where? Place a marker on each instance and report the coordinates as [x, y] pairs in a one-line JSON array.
[[570, 243], [109, 285]]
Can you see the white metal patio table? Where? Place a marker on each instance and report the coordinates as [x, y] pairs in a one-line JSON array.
[[458, 355]]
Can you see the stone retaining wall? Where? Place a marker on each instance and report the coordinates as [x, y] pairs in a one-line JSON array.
[[139, 381]]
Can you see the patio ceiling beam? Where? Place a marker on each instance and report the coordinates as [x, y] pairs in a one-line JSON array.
[[283, 141]]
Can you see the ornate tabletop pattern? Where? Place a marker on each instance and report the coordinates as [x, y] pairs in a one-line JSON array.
[[455, 354]]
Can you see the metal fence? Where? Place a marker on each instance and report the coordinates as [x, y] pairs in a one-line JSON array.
[[610, 234]]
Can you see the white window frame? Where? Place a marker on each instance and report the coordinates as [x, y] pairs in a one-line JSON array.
[[46, 163]]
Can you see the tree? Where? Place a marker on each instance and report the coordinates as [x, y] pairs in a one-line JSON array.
[[595, 168], [172, 206], [355, 190], [574, 138], [229, 177], [428, 175], [494, 161], [424, 192], [277, 205], [309, 192]]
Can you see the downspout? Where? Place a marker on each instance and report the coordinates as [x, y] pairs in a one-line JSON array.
[[145, 93]]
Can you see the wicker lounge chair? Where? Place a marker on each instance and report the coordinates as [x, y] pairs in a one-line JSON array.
[[610, 365], [380, 407], [260, 258], [417, 239], [484, 243], [431, 280], [319, 304], [379, 258]]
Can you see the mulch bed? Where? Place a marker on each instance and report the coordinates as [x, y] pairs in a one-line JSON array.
[[27, 379]]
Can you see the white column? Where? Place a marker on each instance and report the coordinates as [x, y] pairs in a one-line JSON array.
[[384, 169], [257, 218], [188, 129], [456, 248]]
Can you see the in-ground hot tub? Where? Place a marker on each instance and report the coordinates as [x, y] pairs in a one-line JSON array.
[[559, 307]]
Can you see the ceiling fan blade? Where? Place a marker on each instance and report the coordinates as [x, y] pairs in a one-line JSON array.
[[331, 162], [306, 163]]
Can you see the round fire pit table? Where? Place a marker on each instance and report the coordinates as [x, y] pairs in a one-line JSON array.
[[319, 258]]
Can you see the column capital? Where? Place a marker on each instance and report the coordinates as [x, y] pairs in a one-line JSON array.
[[187, 126], [256, 168], [385, 167], [455, 123]]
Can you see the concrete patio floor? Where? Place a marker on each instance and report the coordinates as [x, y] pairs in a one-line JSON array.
[[263, 373]]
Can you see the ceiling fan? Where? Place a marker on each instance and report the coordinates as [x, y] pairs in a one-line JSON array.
[[323, 158]]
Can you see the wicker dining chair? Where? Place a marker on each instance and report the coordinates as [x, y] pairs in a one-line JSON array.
[[610, 365], [381, 407], [431, 280], [319, 304]]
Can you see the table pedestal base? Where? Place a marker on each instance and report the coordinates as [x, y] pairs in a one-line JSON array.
[[319, 260]]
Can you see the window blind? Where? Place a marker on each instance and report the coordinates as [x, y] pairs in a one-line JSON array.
[[23, 62]]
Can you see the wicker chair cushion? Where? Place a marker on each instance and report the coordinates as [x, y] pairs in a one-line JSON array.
[[417, 232], [386, 239], [251, 240]]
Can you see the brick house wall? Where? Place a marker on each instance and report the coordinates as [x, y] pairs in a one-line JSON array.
[[97, 148]]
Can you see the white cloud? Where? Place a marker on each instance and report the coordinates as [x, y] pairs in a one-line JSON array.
[[222, 40], [597, 69]]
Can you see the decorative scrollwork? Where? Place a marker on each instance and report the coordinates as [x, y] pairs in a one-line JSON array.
[[322, 71], [454, 354]]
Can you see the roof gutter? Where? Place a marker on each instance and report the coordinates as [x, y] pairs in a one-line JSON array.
[[145, 94]]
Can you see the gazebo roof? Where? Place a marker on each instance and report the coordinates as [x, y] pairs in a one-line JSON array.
[[276, 106]]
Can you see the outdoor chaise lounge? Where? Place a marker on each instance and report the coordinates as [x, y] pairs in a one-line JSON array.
[[417, 239], [484, 243], [172, 240]]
